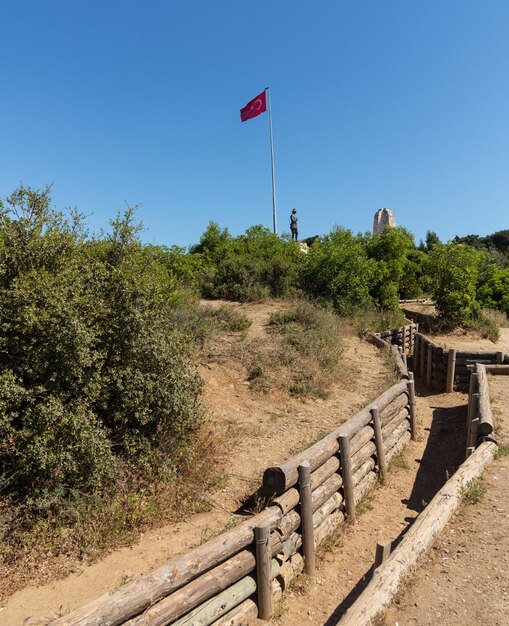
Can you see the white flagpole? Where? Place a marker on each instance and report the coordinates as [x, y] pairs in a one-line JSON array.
[[274, 214]]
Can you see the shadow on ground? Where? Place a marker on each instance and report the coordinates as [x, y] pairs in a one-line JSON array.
[[443, 454]]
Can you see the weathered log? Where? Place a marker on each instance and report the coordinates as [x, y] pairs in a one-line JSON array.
[[485, 414], [363, 470], [386, 579], [264, 571], [289, 500], [396, 435], [366, 484], [241, 615], [417, 353], [278, 479], [412, 413], [290, 570], [476, 355], [398, 360], [216, 607], [398, 447], [379, 443], [322, 493], [423, 352], [306, 518], [289, 523], [117, 606], [363, 417], [497, 369], [289, 548], [328, 526], [364, 453], [429, 362], [359, 439], [377, 341], [332, 504], [199, 590], [394, 408], [346, 474], [391, 426]]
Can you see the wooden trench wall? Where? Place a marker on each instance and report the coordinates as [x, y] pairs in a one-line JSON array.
[[480, 450], [240, 574]]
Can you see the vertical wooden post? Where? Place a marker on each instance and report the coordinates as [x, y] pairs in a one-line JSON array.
[[383, 550], [306, 516], [473, 422], [414, 336], [263, 571], [405, 362], [417, 345], [346, 473], [411, 405], [500, 358], [379, 442], [424, 347], [429, 364], [403, 339], [451, 371]]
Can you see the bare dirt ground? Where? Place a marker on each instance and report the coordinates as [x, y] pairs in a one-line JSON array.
[[462, 340], [259, 429], [465, 577], [262, 430], [344, 571]]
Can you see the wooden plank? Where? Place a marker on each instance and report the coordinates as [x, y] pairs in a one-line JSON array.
[[451, 371], [383, 549]]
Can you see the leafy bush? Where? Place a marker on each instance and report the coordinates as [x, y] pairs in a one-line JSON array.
[[94, 366], [453, 270], [338, 272]]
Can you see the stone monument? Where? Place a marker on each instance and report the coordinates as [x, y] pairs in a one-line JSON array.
[[384, 218]]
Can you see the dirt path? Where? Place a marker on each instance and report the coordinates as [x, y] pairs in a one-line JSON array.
[[259, 430], [465, 577], [415, 477]]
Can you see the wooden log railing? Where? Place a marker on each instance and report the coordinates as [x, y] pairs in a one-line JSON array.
[[389, 572], [217, 582]]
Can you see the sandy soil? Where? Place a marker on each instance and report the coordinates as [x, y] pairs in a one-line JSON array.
[[422, 469], [462, 340], [260, 430], [465, 577]]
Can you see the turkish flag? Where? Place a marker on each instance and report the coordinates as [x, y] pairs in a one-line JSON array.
[[255, 107]]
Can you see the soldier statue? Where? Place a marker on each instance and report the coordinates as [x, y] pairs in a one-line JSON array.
[[293, 225]]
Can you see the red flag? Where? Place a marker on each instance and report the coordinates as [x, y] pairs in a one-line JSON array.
[[255, 107]]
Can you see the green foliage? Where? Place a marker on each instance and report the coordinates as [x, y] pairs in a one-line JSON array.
[[94, 366], [493, 288], [338, 272], [390, 249], [453, 271]]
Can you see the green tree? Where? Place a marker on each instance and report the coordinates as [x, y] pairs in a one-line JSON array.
[[453, 270]]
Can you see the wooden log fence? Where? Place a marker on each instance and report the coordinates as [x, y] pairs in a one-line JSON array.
[[238, 575], [391, 569]]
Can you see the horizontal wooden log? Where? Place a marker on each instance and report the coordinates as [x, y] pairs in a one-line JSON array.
[[475, 355], [391, 426], [366, 484], [393, 408], [328, 526], [377, 341], [398, 360], [278, 479], [485, 415], [363, 417], [201, 589], [115, 607], [289, 500], [501, 370], [290, 570], [216, 607], [363, 470], [398, 446], [387, 578], [331, 505], [322, 493], [364, 453], [361, 438], [241, 615], [396, 435]]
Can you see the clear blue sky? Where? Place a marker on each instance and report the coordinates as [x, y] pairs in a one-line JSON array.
[[401, 104]]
